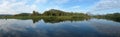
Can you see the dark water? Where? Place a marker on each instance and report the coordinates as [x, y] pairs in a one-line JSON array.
[[43, 28]]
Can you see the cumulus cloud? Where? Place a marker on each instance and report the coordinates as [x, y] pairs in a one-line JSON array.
[[14, 6], [106, 5]]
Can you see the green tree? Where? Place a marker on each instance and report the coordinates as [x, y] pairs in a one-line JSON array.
[[35, 13]]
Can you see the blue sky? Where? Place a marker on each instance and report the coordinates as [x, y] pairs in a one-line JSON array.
[[27, 6]]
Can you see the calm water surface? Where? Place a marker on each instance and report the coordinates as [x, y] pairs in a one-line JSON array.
[[42, 28]]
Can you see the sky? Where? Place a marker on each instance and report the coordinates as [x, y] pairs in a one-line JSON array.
[[80, 6]]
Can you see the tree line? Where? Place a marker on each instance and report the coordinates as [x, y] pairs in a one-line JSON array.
[[52, 12], [113, 16]]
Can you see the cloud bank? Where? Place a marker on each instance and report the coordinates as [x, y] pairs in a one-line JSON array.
[[14, 7], [106, 5], [27, 6]]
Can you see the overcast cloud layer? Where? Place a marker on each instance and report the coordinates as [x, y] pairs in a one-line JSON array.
[[27, 6]]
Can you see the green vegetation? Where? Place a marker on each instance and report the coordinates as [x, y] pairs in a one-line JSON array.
[[48, 14], [51, 16], [114, 16]]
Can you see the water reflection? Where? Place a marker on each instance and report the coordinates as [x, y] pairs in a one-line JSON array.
[[59, 28], [112, 19], [106, 27], [14, 24], [117, 20], [54, 20]]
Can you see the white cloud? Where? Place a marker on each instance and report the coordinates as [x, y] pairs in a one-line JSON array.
[[60, 1], [74, 7], [5, 7], [53, 7], [41, 1], [13, 7], [107, 5]]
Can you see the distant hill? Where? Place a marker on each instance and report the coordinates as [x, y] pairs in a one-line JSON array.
[[54, 12], [23, 14], [5, 15]]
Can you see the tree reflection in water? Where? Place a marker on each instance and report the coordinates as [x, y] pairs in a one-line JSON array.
[[55, 20]]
